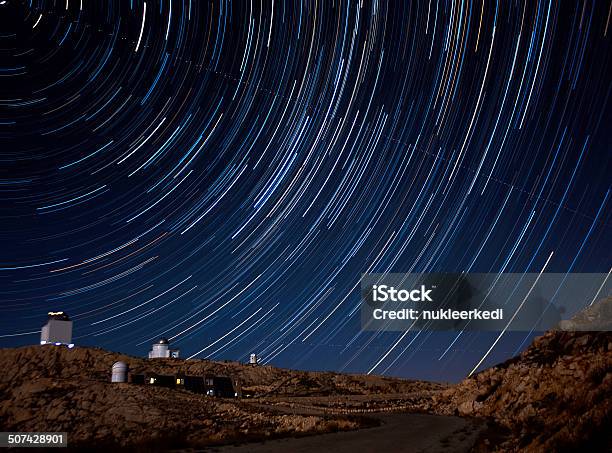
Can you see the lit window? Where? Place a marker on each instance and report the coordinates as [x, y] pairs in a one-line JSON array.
[[152, 380]]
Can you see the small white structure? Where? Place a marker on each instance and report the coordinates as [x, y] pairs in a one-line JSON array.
[[58, 330], [253, 359], [161, 350], [119, 372]]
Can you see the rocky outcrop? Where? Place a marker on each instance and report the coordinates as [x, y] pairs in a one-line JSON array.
[[596, 317], [48, 388], [556, 396]]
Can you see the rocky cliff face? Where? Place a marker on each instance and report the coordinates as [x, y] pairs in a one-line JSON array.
[[556, 396]]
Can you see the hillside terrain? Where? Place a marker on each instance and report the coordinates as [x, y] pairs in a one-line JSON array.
[[48, 388], [555, 396]]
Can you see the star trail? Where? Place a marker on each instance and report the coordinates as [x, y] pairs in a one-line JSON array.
[[222, 173]]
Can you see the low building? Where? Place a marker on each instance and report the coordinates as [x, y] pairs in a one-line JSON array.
[[57, 330], [136, 379], [162, 350], [218, 386], [160, 380], [191, 383]]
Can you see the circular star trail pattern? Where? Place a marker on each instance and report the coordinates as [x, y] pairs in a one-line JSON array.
[[222, 173]]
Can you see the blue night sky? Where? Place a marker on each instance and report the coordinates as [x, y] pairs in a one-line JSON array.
[[222, 173]]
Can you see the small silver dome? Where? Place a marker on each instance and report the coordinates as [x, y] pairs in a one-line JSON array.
[[119, 372]]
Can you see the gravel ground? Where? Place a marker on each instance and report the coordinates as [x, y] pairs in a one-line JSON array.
[[397, 433]]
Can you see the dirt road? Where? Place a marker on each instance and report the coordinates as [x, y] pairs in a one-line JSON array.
[[397, 433]]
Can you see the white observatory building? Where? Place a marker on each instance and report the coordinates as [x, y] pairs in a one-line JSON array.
[[58, 330], [119, 372], [161, 350]]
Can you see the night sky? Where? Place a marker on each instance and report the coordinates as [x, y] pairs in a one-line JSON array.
[[223, 173]]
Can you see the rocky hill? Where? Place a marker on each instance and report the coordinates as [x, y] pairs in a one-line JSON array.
[[35, 362], [48, 388], [556, 396]]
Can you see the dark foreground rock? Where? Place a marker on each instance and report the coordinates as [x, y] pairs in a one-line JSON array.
[[555, 396]]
